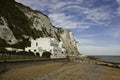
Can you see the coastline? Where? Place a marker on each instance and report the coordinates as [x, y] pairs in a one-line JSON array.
[[105, 63], [74, 70], [109, 64]]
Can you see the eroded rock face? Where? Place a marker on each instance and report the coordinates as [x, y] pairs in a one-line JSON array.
[[6, 33], [39, 21], [69, 42], [40, 26]]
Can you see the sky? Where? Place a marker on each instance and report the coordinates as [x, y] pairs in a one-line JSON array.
[[94, 23]]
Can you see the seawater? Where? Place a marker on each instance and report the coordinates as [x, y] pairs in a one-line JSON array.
[[114, 59]]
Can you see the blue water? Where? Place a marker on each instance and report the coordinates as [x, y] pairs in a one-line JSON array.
[[114, 59]]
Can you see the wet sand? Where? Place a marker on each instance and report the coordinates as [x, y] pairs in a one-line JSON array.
[[63, 71]]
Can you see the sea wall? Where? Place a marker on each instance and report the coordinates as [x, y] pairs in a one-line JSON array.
[[6, 65]]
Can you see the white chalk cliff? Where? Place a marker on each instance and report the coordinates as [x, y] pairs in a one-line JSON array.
[[27, 24]]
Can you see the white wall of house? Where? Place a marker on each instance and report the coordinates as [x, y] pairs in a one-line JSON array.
[[47, 44]]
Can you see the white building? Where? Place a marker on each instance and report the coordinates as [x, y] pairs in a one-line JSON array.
[[51, 45]]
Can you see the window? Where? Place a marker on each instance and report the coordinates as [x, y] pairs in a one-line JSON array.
[[29, 50], [56, 45], [35, 50], [36, 43], [52, 44]]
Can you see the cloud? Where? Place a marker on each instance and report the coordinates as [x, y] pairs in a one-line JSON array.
[[42, 5], [118, 9], [65, 21], [86, 36], [98, 15], [71, 14], [61, 5], [98, 50], [94, 15], [85, 40], [114, 32], [89, 16]]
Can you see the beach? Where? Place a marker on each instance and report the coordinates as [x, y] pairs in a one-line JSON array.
[[63, 71]]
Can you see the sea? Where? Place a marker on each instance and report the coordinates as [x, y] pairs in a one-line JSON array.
[[110, 58]]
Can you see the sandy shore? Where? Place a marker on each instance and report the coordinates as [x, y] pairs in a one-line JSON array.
[[62, 71]]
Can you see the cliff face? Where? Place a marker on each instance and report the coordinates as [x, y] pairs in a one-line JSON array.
[[18, 24]]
